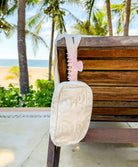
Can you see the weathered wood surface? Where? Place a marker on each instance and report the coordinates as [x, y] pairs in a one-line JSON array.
[[115, 111], [115, 93], [107, 53], [127, 64], [110, 103], [62, 67], [106, 42], [115, 90], [109, 118], [119, 78], [104, 135]]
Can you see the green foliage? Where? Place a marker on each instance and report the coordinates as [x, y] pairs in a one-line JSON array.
[[35, 98], [89, 5], [119, 11], [7, 7], [42, 97], [10, 97], [97, 26], [53, 9], [44, 84]]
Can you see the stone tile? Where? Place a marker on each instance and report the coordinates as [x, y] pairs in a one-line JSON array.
[[19, 137], [24, 143], [39, 155], [100, 155]]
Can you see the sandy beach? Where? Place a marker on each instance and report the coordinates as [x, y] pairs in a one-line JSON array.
[[34, 74]]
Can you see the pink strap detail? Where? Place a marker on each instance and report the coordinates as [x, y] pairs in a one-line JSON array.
[[73, 67]]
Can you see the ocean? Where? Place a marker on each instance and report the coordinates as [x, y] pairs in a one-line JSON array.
[[31, 63]]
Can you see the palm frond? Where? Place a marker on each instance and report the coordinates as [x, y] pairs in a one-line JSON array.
[[89, 6], [60, 24], [32, 2], [72, 1], [35, 40], [36, 36], [39, 25], [12, 9], [71, 15], [33, 20]]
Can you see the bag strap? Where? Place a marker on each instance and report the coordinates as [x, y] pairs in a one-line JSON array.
[[72, 43]]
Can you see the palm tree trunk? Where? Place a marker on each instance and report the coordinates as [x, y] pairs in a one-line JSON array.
[[24, 82], [51, 50], [127, 16], [109, 17]]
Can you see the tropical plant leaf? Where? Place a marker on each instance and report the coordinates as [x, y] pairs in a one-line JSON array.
[[33, 20], [35, 40], [39, 25]]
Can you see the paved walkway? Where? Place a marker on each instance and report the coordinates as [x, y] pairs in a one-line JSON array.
[[24, 142]]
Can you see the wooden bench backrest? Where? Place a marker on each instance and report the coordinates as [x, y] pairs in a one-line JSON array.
[[111, 70]]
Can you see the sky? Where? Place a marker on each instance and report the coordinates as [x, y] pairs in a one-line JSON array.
[[8, 47]]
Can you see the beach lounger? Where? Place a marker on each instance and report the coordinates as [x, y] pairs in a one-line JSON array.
[[110, 68]]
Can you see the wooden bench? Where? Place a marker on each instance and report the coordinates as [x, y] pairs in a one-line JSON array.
[[111, 70]]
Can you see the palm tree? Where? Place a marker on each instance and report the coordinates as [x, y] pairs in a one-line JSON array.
[[24, 82], [51, 49], [53, 11], [89, 5], [56, 14], [109, 17], [6, 8], [98, 25], [127, 16], [119, 11]]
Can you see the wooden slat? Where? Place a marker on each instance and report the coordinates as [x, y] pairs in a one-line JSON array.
[[106, 42], [109, 42], [115, 93], [115, 118], [62, 65], [109, 104], [110, 64], [114, 90], [115, 97], [104, 135], [109, 78], [115, 111], [107, 53]]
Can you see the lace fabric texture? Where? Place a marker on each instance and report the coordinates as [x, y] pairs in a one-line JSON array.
[[70, 112]]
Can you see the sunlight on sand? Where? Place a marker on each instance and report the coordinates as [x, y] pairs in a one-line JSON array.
[[35, 73], [6, 157]]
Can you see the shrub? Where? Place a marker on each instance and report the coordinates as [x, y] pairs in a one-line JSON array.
[[10, 97], [44, 84], [40, 98]]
